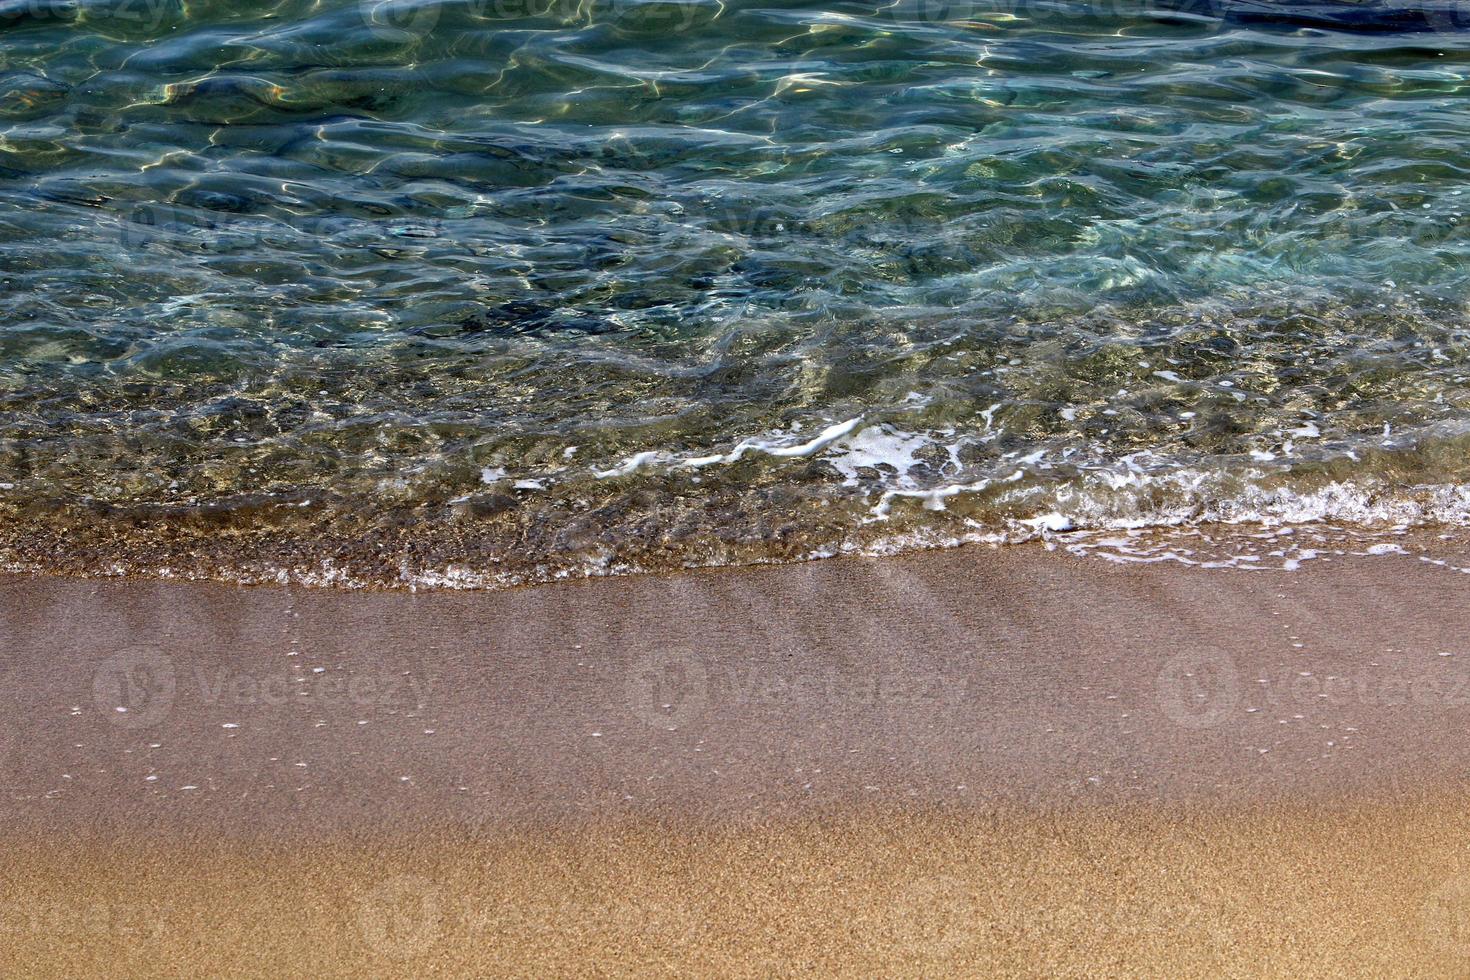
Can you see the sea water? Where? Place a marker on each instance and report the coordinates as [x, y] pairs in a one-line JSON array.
[[493, 291]]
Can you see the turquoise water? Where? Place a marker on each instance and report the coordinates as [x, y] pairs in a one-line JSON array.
[[509, 289]]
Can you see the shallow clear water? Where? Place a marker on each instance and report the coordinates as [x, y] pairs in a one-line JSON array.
[[506, 289]]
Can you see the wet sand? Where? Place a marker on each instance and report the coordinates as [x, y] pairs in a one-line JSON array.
[[1008, 760]]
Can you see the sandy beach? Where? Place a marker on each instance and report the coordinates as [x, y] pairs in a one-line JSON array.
[[700, 488], [1007, 760]]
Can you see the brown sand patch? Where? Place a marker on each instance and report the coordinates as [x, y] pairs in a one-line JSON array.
[[1268, 890]]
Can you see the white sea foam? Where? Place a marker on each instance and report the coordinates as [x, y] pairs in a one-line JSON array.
[[880, 447], [932, 499], [774, 446], [1050, 522], [632, 463], [779, 449], [1145, 506]]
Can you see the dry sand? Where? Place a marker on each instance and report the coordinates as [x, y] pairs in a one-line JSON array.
[[976, 762], [1366, 891]]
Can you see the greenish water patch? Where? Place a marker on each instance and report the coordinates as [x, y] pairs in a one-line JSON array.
[[521, 289]]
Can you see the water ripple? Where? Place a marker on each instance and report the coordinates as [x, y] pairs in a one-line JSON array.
[[1128, 262]]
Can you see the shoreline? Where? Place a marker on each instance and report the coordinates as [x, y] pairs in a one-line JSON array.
[[493, 542], [1021, 723]]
